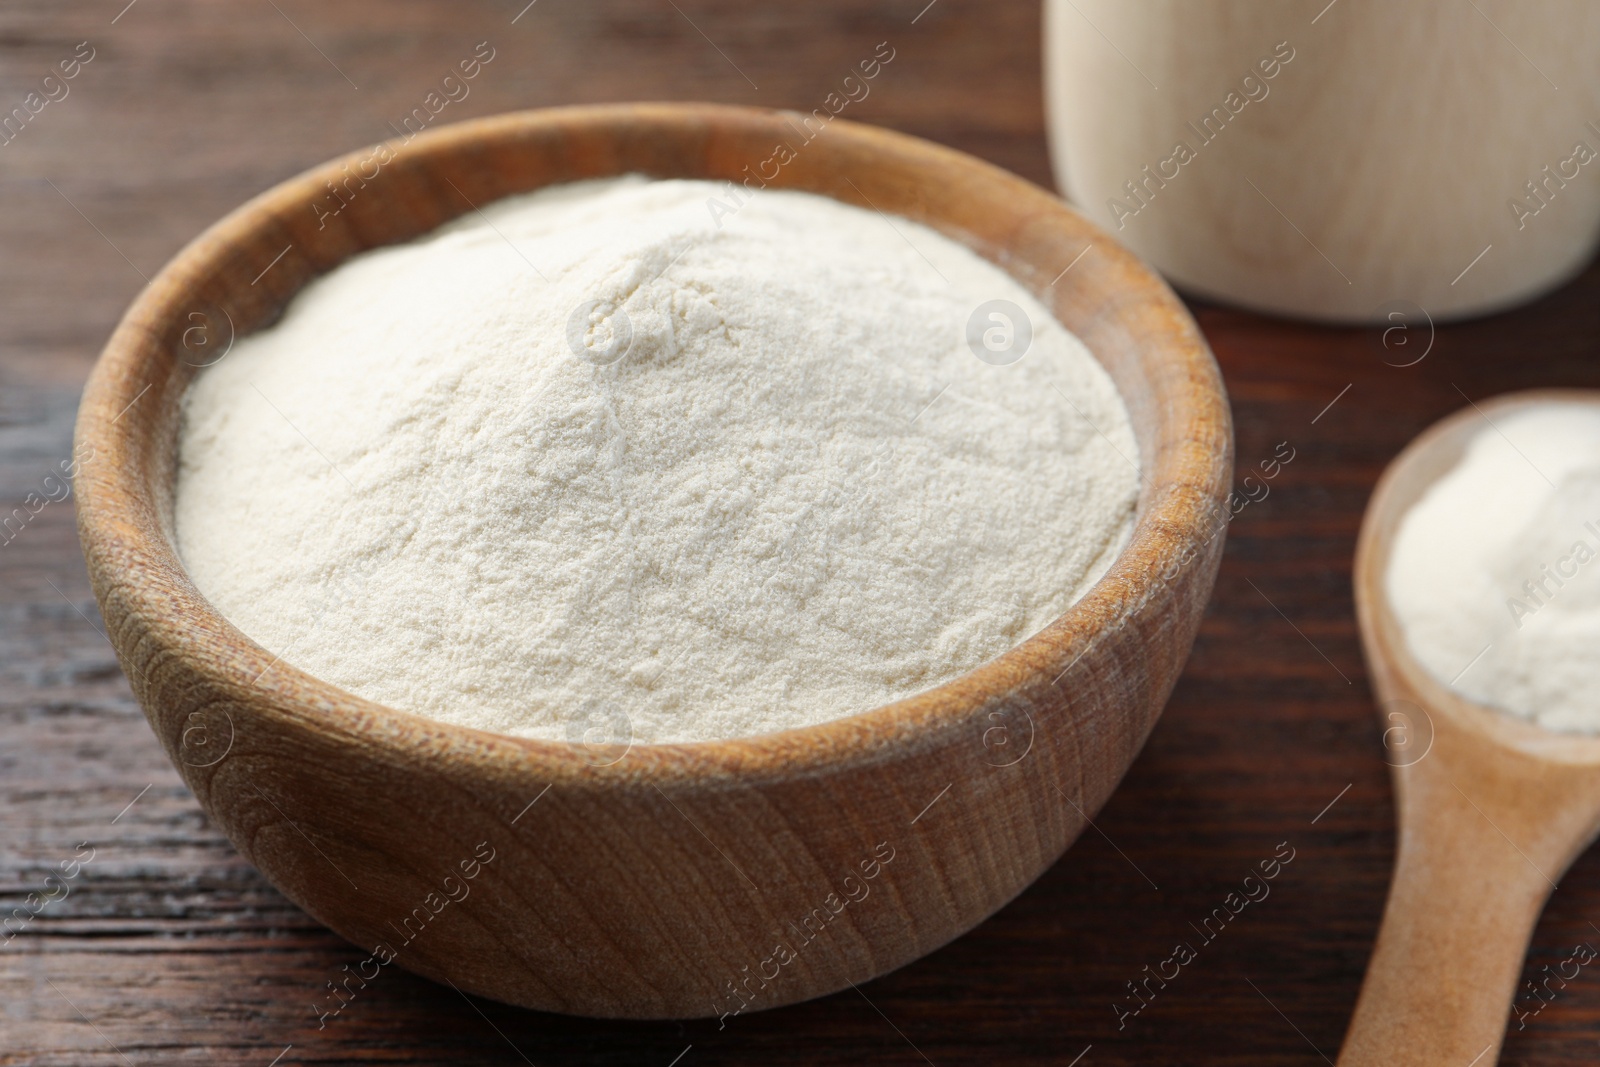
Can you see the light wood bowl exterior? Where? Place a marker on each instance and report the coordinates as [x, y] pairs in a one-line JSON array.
[[649, 887], [1331, 146], [1492, 809]]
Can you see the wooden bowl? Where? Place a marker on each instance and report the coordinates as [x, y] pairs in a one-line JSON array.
[[682, 879]]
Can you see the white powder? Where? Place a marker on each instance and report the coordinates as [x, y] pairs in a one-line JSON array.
[[799, 495], [1493, 573]]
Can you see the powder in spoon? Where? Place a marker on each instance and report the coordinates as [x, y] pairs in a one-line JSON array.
[[601, 453], [1492, 573]]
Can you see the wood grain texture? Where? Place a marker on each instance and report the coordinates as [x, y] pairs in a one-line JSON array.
[[176, 950], [1492, 809]]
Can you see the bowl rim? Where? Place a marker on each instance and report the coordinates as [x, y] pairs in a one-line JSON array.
[[124, 528]]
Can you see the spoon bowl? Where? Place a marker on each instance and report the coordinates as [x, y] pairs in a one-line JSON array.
[[1492, 809]]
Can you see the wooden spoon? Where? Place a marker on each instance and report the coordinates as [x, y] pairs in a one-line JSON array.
[[1492, 809]]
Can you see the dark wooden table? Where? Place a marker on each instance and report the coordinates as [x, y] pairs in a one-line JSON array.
[[170, 948]]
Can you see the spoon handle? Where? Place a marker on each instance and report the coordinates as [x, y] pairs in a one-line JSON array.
[[1471, 877]]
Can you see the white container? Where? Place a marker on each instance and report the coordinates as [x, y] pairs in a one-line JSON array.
[[1334, 161]]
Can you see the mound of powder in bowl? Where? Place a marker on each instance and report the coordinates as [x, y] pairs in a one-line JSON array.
[[630, 453]]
